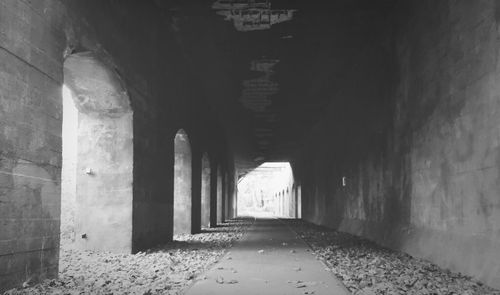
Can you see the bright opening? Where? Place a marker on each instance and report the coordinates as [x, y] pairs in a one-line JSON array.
[[68, 174], [97, 157], [269, 191]]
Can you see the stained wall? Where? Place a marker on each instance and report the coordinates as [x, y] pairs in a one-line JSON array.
[[419, 143]]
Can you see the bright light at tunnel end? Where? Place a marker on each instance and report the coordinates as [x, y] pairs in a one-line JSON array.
[[268, 191]]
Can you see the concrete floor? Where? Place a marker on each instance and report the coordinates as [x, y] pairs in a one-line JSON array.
[[270, 259]]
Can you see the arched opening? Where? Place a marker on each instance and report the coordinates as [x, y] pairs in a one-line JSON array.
[[182, 184], [205, 191], [97, 168]]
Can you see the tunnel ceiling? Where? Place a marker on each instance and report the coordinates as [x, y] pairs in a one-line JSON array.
[[271, 69]]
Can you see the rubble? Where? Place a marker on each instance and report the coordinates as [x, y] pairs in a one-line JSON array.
[[167, 269], [366, 268]]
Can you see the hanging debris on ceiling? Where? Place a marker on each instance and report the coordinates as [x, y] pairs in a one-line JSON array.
[[252, 15]]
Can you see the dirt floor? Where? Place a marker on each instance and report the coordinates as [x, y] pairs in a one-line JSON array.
[[363, 267], [164, 270], [368, 269]]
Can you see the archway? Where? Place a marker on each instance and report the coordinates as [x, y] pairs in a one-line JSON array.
[[205, 191], [97, 172], [182, 184]]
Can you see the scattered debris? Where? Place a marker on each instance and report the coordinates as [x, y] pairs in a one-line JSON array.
[[219, 280], [366, 268], [167, 269]]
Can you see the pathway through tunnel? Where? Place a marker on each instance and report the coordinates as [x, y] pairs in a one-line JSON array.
[[270, 259]]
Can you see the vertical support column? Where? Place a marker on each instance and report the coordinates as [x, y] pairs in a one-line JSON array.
[[220, 202], [213, 194], [205, 191], [196, 195]]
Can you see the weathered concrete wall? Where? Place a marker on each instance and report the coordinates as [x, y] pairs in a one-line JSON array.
[[104, 183], [104, 155], [30, 142], [140, 44], [419, 151]]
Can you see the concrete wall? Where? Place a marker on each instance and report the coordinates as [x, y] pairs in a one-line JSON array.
[[421, 142], [68, 169], [138, 42], [104, 155], [30, 142]]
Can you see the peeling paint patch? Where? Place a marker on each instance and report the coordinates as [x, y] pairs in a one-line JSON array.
[[252, 15], [256, 92]]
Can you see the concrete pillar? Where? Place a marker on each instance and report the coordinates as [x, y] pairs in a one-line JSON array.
[[205, 191], [104, 155], [213, 194], [182, 184], [220, 199], [196, 192]]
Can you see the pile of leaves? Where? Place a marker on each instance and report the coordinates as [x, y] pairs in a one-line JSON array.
[[167, 269], [366, 268]]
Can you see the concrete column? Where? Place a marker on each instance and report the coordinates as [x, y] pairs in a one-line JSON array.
[[196, 192], [182, 184], [213, 194], [205, 191]]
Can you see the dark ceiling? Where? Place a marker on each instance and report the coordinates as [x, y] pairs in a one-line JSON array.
[[272, 69]]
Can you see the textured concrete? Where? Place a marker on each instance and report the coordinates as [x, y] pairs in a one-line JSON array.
[[35, 38], [182, 184], [104, 157], [277, 269], [399, 97], [30, 143], [421, 164], [205, 191], [220, 197]]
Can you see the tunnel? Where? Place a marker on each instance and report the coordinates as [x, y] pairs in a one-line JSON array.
[[250, 147]]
